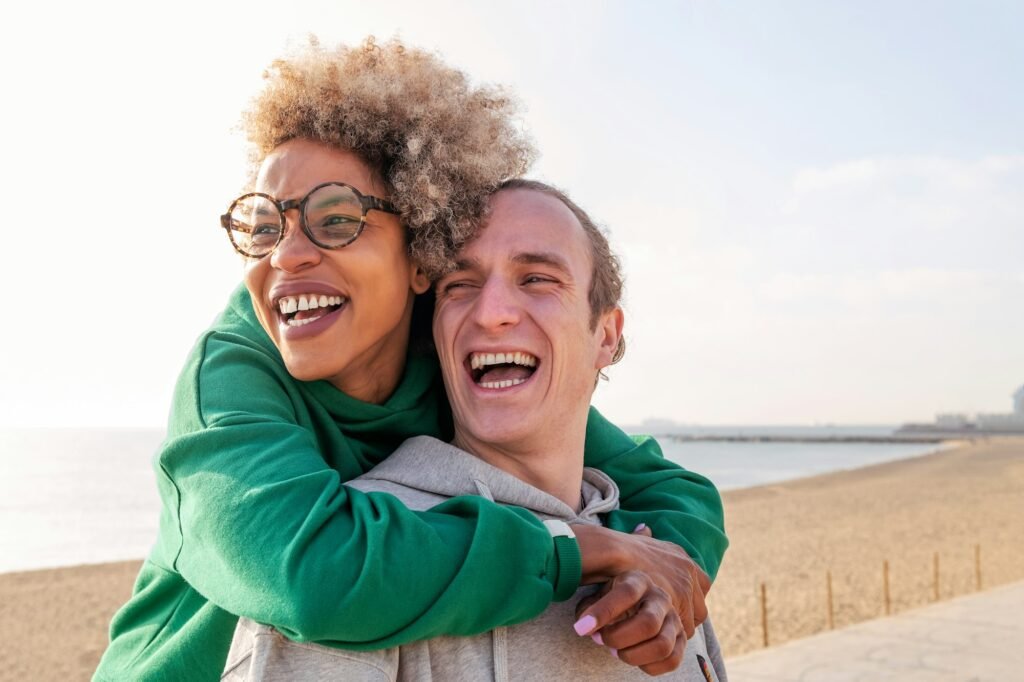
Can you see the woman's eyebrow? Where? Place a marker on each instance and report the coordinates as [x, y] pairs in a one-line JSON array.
[[329, 201]]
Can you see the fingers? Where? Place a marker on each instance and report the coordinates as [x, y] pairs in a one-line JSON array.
[[638, 620], [585, 603], [652, 639], [654, 623], [669, 663], [643, 529], [623, 593], [699, 611], [703, 580]]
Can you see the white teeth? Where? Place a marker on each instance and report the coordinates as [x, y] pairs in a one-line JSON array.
[[507, 383], [478, 360], [291, 304]]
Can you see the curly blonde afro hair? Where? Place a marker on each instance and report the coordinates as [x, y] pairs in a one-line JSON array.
[[440, 143]]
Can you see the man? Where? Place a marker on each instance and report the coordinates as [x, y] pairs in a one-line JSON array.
[[523, 325]]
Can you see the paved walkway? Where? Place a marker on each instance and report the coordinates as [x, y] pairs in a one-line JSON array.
[[974, 638]]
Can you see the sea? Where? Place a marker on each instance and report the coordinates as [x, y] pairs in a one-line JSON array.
[[78, 496]]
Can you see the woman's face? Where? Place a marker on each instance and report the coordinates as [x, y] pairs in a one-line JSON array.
[[358, 340]]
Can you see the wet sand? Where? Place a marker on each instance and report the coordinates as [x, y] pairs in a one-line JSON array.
[[53, 623]]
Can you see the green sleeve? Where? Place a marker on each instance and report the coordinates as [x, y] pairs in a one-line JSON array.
[[265, 529], [679, 506]]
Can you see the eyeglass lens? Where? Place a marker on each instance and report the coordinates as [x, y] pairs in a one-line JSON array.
[[333, 215]]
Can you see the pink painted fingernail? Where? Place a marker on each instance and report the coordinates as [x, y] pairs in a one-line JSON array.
[[597, 638], [615, 653], [585, 625], [640, 528]]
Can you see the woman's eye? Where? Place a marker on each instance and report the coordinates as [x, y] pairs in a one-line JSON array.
[[266, 229], [337, 219]]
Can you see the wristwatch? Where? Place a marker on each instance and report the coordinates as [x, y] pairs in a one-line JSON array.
[[570, 565]]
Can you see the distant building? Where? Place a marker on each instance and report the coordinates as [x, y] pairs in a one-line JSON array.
[[952, 421], [1011, 422], [1000, 422]]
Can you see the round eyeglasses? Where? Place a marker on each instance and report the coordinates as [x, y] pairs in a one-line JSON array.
[[332, 215]]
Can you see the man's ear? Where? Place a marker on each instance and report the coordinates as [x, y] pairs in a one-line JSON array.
[[419, 282], [609, 336]]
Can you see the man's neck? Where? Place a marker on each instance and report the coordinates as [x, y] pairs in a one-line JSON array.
[[553, 464]]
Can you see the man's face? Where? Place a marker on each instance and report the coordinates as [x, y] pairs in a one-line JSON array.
[[513, 324]]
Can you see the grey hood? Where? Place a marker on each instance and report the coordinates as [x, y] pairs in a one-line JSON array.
[[434, 468]]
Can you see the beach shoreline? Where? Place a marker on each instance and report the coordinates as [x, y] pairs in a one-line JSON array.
[[787, 535]]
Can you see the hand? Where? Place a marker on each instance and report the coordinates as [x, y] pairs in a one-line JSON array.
[[644, 628], [607, 554]]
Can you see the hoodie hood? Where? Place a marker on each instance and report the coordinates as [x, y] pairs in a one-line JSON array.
[[437, 468]]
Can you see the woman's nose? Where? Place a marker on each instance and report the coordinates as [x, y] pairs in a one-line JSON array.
[[295, 252]]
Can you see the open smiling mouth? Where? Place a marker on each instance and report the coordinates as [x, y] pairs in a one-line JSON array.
[[297, 311], [501, 370]]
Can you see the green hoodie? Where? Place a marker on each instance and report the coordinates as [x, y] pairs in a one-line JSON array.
[[256, 522]]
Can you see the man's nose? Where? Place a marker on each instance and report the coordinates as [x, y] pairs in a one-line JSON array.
[[497, 306], [295, 252]]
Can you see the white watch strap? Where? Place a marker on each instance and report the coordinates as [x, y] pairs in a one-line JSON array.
[[559, 529]]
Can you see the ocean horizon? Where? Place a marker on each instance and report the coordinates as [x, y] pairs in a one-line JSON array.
[[73, 496]]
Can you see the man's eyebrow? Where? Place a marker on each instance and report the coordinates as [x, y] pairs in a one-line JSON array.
[[526, 258], [463, 264], [541, 258]]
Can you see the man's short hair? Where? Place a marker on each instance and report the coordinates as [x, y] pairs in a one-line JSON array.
[[606, 272]]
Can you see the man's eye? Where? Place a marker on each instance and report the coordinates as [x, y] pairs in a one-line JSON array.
[[452, 287], [537, 279]]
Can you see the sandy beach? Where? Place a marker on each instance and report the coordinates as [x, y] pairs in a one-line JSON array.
[[789, 535], [53, 623]]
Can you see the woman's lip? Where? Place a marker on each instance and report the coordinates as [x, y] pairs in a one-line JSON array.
[[310, 329]]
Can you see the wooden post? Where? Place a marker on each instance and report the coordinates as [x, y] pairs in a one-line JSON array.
[[885, 587], [935, 577], [764, 614], [831, 614], [977, 567]]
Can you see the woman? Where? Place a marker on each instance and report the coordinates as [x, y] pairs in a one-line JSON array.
[[307, 381]]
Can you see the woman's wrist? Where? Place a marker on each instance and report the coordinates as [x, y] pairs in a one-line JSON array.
[[602, 553]]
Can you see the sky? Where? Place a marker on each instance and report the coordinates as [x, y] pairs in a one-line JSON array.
[[819, 205]]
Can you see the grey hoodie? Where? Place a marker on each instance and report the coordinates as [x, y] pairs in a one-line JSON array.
[[422, 473]]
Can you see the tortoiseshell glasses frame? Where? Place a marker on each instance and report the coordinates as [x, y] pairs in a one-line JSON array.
[[338, 231]]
